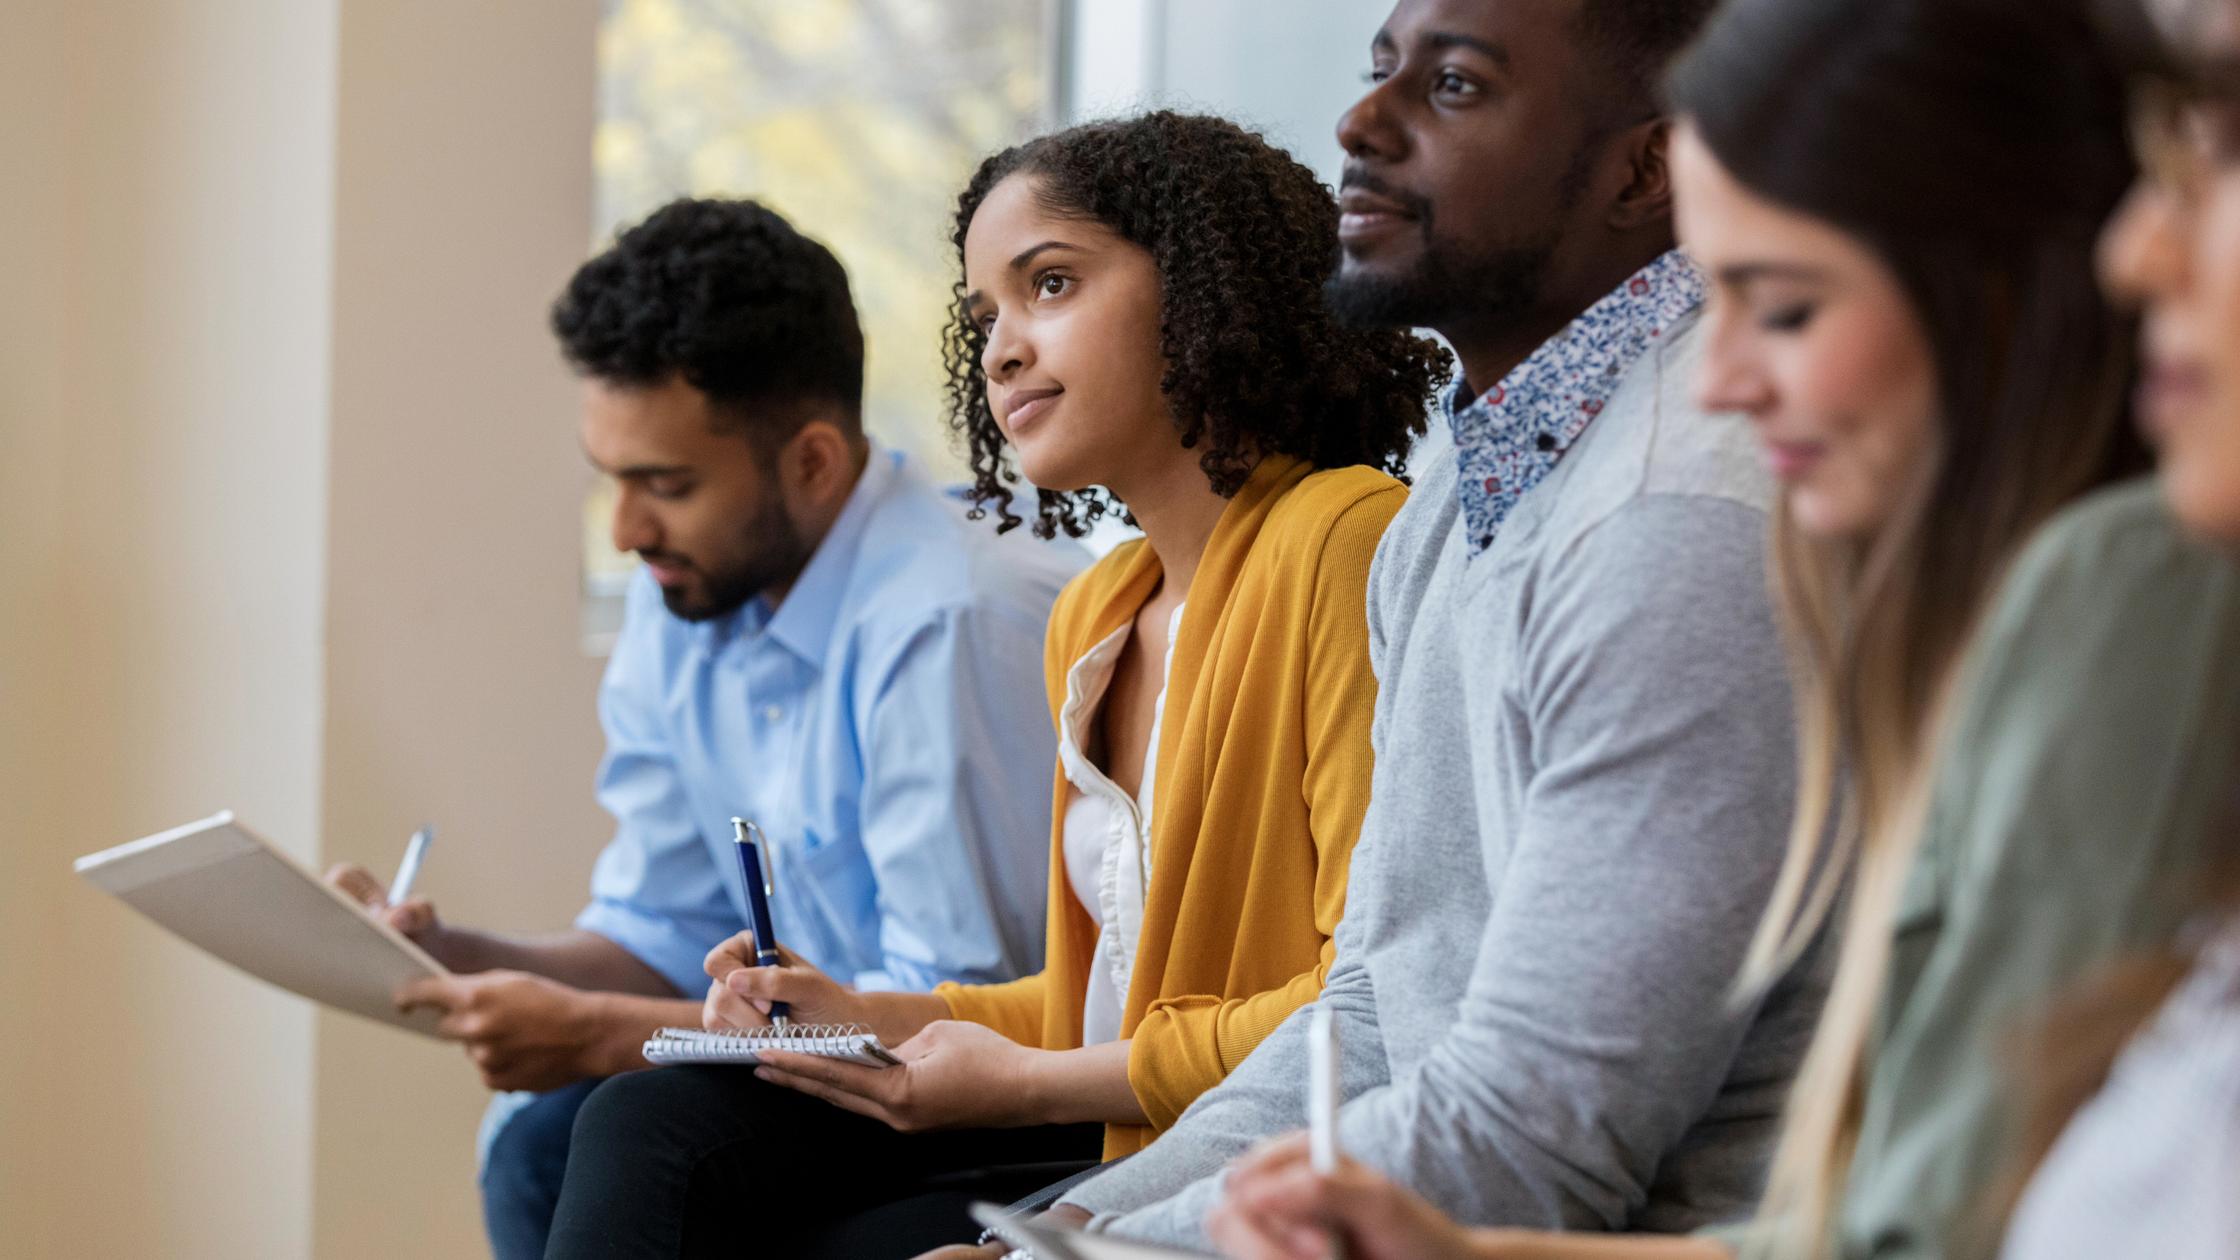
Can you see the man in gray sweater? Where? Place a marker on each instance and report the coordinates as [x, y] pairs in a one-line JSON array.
[[1583, 737]]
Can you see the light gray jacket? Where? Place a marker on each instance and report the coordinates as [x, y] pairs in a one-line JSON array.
[[1584, 770]]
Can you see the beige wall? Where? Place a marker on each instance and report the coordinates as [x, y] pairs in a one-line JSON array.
[[165, 299], [456, 691], [32, 394], [287, 523]]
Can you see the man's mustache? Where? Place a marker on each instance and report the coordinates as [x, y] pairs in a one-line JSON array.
[[1416, 206]]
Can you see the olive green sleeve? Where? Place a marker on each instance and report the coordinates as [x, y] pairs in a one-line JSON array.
[[2085, 760]]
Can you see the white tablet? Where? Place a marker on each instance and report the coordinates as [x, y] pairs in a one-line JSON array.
[[220, 888]]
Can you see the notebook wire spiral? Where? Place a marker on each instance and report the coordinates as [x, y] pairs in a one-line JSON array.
[[852, 1043]]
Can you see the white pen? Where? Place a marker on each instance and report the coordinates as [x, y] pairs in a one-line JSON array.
[[1322, 1100], [409, 869], [1322, 1091]]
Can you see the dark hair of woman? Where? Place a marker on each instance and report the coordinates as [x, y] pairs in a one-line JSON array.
[[1977, 153], [1243, 237], [1975, 147]]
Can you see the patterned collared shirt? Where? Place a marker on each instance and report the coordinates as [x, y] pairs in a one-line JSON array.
[[1509, 437]]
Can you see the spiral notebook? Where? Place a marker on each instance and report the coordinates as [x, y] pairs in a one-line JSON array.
[[850, 1043]]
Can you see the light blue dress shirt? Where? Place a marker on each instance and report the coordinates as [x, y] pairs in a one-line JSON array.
[[888, 729], [886, 726]]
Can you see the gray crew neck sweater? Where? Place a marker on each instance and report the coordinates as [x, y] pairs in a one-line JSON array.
[[1583, 784]]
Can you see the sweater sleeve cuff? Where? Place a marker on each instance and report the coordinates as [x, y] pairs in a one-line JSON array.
[[1143, 1180], [947, 991], [1174, 1055], [1013, 1008], [1183, 1049]]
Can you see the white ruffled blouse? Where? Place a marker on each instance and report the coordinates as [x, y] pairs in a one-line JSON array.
[[1108, 834]]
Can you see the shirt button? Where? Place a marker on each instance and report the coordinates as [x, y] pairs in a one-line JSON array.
[[771, 713]]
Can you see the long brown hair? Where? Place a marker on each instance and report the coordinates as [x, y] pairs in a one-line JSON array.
[[1975, 147]]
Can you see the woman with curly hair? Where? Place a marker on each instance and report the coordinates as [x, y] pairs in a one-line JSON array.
[[1139, 330]]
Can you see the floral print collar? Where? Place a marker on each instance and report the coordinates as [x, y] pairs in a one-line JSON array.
[[1511, 436]]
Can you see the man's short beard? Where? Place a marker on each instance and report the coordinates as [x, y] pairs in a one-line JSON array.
[[1443, 289], [1453, 285], [772, 552]]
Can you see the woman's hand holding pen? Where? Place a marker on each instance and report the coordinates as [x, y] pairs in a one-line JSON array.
[[1275, 1206], [740, 994], [814, 997]]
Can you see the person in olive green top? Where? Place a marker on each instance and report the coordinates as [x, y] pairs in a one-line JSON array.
[[2072, 805], [2074, 797]]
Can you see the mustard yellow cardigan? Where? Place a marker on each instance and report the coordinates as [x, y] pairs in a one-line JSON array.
[[1263, 776]]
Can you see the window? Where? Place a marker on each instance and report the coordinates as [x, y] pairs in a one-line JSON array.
[[859, 120]]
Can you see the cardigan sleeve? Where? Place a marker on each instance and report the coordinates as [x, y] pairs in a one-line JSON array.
[[1013, 1008], [1185, 1046], [2076, 794]]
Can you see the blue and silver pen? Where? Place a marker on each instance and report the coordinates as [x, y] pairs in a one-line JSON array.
[[748, 837]]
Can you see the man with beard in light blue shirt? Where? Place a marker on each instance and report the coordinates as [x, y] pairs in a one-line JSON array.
[[820, 642]]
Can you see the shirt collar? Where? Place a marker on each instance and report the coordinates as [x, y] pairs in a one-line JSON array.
[[803, 624], [1511, 436]]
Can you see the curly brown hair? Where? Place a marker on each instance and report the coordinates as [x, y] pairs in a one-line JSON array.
[[1243, 237]]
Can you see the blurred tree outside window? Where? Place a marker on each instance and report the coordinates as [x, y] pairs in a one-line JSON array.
[[859, 120]]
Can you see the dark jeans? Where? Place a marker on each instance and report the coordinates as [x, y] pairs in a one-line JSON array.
[[521, 1175], [708, 1161]]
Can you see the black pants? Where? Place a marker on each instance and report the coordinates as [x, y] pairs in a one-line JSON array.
[[693, 1161]]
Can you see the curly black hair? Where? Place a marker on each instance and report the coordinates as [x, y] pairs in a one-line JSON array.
[[1243, 237], [729, 296]]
